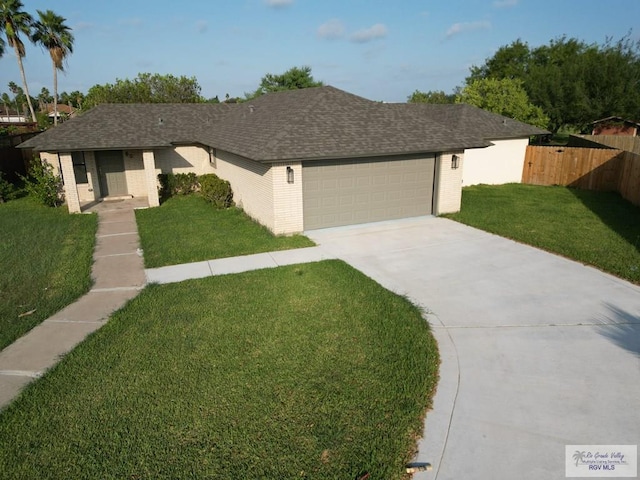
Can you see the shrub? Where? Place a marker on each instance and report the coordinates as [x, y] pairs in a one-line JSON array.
[[43, 184], [7, 190], [177, 184], [216, 191]]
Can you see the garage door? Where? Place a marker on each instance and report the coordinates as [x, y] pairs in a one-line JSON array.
[[345, 192]]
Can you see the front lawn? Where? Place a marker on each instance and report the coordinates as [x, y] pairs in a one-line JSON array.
[[187, 229], [595, 228], [45, 263], [307, 371]]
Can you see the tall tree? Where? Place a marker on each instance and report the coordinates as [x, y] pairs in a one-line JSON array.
[[51, 32], [572, 81], [146, 88], [505, 97], [13, 22], [44, 98], [6, 101], [293, 79], [432, 96]]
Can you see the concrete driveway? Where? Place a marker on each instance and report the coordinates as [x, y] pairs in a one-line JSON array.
[[538, 352]]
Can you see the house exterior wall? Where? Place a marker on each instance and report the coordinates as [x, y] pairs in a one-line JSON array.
[[495, 165], [90, 192], [287, 198], [625, 128], [448, 188], [71, 190], [183, 159], [134, 173], [252, 185], [52, 159]]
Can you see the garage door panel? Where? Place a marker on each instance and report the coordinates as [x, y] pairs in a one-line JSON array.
[[366, 190]]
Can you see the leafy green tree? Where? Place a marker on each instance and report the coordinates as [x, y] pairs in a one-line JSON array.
[[572, 81], [509, 61], [51, 32], [44, 98], [19, 99], [74, 99], [432, 96], [146, 88], [6, 101], [505, 97], [13, 22], [293, 79]]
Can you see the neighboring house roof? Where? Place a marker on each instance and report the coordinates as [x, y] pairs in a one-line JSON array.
[[615, 119], [314, 123], [62, 109]]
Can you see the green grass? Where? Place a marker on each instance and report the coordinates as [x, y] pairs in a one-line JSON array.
[[45, 263], [187, 229], [595, 228], [307, 371]]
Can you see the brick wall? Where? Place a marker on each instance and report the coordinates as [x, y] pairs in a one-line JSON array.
[[287, 198], [448, 192], [251, 183]]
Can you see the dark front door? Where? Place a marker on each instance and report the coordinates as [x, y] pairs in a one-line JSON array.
[[113, 181]]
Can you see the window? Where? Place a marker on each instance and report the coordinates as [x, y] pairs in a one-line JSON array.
[[79, 167]]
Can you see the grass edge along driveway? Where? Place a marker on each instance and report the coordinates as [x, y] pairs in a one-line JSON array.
[[306, 371], [600, 229], [187, 229], [45, 263]]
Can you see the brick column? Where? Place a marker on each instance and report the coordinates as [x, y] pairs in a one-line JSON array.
[[70, 186], [149, 160]]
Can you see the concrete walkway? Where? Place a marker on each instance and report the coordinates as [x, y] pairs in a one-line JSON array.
[[223, 266], [118, 274]]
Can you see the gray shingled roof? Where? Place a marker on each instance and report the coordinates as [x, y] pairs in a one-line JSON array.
[[313, 123]]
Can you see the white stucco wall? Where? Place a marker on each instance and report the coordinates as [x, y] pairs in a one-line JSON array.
[[500, 163], [448, 185]]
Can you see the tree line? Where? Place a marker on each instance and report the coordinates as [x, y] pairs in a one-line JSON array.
[[563, 85], [48, 30]]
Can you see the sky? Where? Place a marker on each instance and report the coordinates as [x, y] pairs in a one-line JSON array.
[[379, 49]]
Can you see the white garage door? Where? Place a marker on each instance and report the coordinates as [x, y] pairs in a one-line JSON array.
[[345, 192]]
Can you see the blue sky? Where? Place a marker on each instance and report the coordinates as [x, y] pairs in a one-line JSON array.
[[380, 49]]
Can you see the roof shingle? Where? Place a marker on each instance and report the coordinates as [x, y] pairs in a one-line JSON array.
[[314, 123]]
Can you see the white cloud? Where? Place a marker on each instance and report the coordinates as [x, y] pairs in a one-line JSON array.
[[462, 27], [367, 34], [505, 3], [332, 29], [202, 26], [278, 3]]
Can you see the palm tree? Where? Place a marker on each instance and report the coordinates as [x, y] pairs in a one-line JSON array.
[[13, 21], [579, 456], [52, 34]]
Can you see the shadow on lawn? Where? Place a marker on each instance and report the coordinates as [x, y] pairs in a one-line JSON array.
[[617, 213], [622, 328]]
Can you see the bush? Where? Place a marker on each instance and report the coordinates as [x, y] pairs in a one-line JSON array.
[[216, 191], [43, 184], [7, 190], [177, 184]]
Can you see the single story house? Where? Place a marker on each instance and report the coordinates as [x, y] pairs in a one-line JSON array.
[[615, 126], [296, 160]]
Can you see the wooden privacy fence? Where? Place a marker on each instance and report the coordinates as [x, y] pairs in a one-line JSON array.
[[586, 168]]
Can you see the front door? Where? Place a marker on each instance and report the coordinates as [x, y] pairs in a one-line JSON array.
[[113, 181]]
